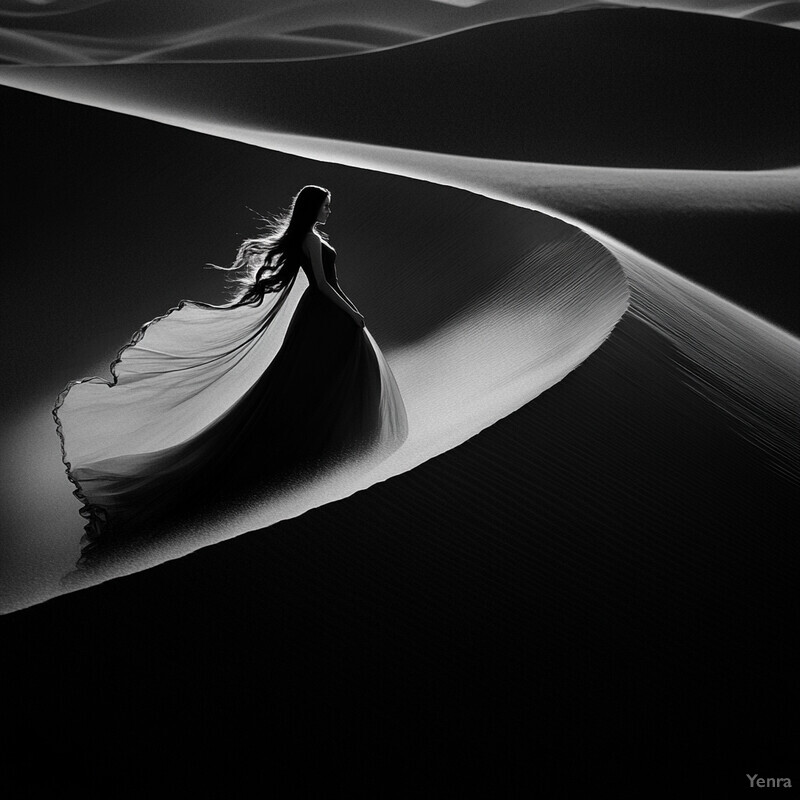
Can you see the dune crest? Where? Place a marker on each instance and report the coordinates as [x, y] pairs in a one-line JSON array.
[[245, 30], [699, 102]]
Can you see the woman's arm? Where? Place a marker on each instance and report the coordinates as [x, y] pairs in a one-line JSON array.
[[313, 249], [338, 290]]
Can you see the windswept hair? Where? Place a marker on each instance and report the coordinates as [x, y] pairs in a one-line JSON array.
[[267, 263]]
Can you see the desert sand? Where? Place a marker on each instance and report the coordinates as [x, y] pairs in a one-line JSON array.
[[578, 571]]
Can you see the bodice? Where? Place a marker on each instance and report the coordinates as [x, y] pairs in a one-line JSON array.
[[328, 265]]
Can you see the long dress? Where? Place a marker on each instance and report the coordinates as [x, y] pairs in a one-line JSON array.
[[209, 403]]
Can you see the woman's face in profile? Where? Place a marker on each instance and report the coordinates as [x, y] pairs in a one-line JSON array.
[[324, 211]]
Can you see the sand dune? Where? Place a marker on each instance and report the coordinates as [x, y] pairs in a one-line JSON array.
[[250, 48], [745, 366], [19, 47], [580, 574], [246, 30], [145, 32], [776, 13], [700, 92], [373, 35]]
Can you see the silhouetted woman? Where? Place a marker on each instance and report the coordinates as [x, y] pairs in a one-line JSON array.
[[209, 403]]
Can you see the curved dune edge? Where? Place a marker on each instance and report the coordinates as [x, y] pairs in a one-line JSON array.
[[741, 362], [43, 36], [709, 111], [550, 305], [759, 377], [475, 369], [744, 364]]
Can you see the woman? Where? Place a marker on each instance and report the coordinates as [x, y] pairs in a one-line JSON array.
[[211, 403]]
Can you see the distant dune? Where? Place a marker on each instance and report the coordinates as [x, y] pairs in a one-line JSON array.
[[776, 14], [143, 31], [633, 88]]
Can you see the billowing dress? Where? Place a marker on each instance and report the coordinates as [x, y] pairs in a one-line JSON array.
[[209, 403]]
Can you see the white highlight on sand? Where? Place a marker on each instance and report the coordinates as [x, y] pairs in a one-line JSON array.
[[460, 3]]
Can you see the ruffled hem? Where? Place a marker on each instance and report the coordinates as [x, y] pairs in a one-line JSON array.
[[203, 383], [96, 516]]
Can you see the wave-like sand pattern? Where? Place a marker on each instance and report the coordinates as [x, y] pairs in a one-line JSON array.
[[776, 14], [546, 307], [699, 91], [245, 30]]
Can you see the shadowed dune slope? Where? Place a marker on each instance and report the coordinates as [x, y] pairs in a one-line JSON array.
[[632, 88], [567, 588], [478, 305]]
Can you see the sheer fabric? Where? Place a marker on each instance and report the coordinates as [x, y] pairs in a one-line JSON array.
[[207, 400]]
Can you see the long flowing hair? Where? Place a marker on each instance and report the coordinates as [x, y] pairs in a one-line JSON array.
[[268, 262]]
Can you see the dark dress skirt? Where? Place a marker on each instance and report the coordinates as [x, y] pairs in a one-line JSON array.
[[282, 410]]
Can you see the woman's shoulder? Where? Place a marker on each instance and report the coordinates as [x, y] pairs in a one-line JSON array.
[[310, 243], [313, 239]]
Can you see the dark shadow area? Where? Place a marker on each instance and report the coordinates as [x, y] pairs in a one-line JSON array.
[[320, 404], [571, 601], [181, 510], [106, 236], [635, 87]]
